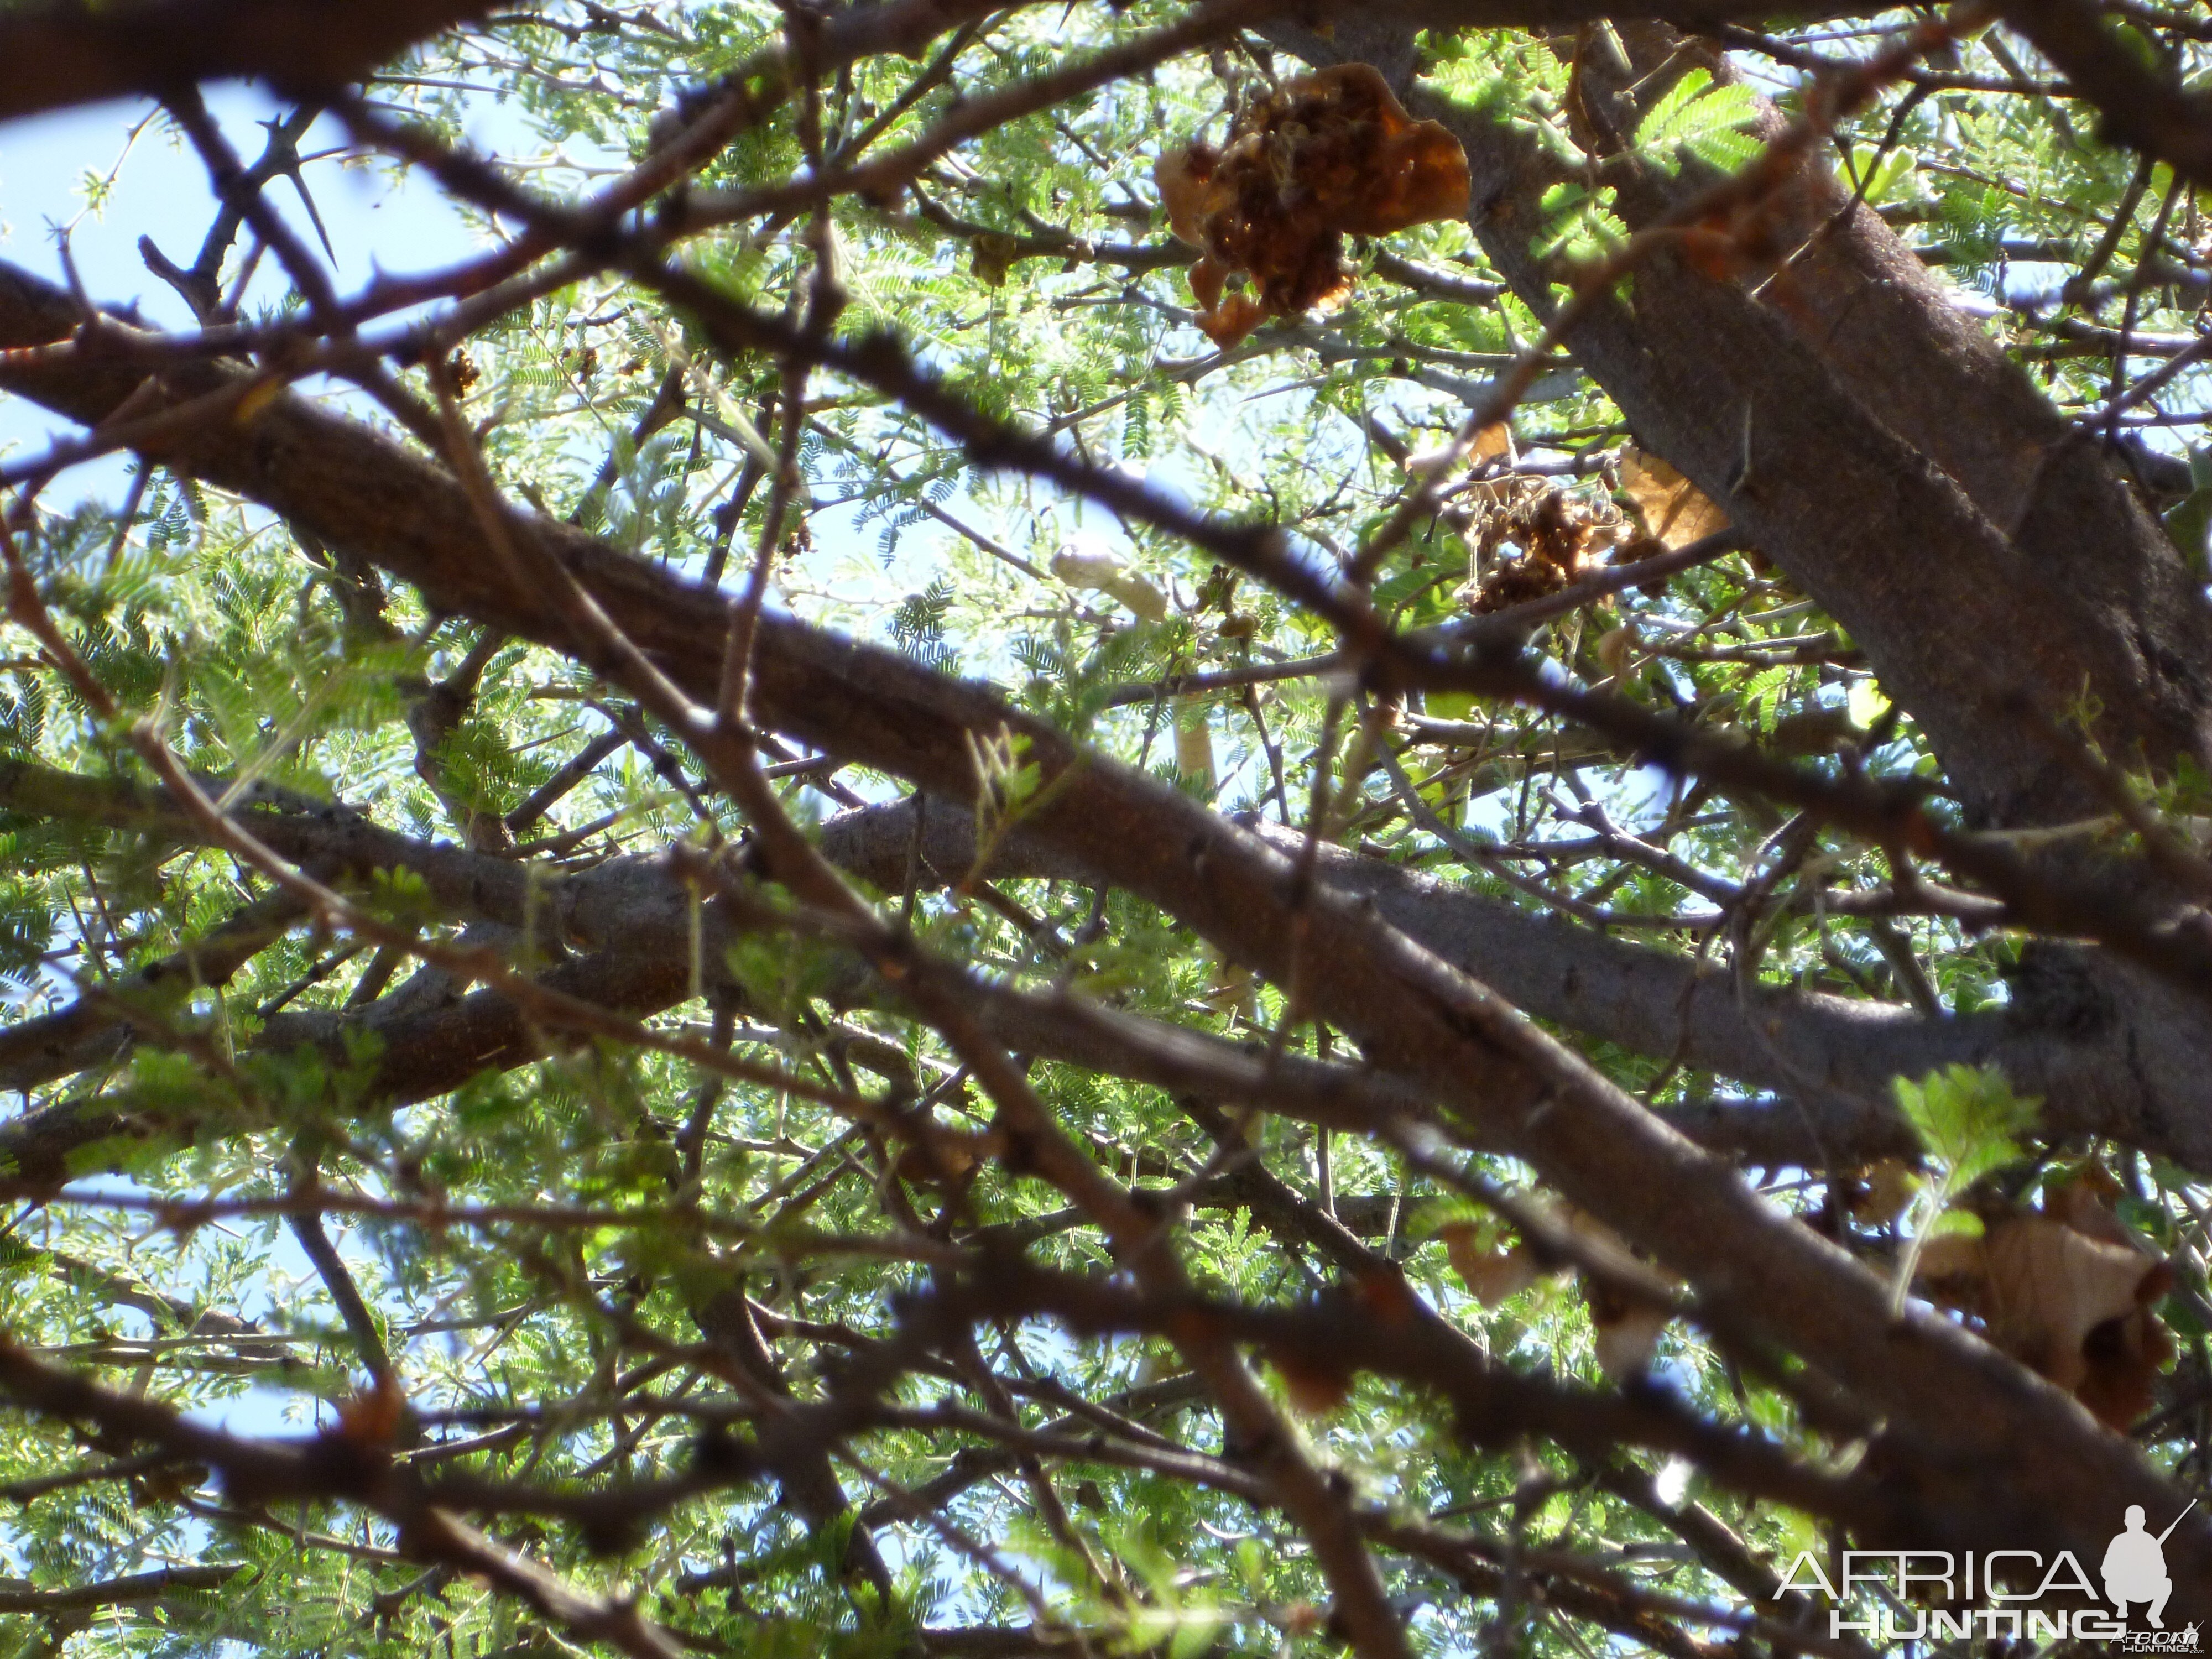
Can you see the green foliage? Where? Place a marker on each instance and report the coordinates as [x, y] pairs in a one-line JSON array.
[[618, 1201], [1969, 1121], [918, 627], [1706, 120], [1579, 226], [2189, 520]]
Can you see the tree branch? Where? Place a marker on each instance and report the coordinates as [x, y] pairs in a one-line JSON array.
[[66, 52]]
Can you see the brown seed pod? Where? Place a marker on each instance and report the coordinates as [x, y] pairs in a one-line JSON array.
[[1328, 155]]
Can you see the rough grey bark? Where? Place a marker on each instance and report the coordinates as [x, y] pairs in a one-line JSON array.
[[1877, 445], [1882, 451]]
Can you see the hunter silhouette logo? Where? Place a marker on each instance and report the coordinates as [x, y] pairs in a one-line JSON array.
[[2135, 1567]]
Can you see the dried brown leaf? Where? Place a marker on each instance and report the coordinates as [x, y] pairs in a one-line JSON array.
[[1556, 532], [1883, 1189], [1491, 1273], [1493, 441], [1673, 511], [2068, 1292], [1625, 1329]]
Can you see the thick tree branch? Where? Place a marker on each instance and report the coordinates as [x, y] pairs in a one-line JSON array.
[[17, 1597], [2140, 108], [68, 51], [1834, 1057], [1769, 404]]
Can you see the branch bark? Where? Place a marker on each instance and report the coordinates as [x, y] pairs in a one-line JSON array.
[[1830, 1059], [17, 1597], [2148, 112], [67, 51]]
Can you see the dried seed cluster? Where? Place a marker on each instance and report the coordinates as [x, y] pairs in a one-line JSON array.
[[1327, 155]]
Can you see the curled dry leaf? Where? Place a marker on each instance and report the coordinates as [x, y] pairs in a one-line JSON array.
[[1671, 510], [2068, 1292], [1103, 573], [1879, 1192], [1491, 1272], [1625, 1329], [1493, 443], [1328, 156]]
